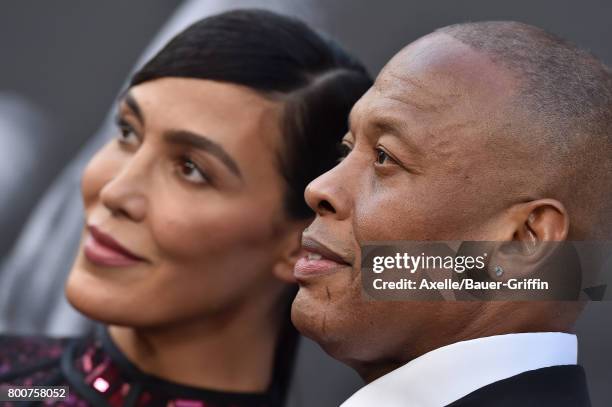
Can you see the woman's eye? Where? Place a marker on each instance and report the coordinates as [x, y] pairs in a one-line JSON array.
[[127, 135], [191, 172]]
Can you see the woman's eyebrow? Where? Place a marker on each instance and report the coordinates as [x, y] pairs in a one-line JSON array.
[[194, 140], [133, 105], [131, 102]]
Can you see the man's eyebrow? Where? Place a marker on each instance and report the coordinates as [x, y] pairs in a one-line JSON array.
[[134, 106], [201, 142], [384, 125]]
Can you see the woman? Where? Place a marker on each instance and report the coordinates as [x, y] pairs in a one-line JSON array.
[[193, 219]]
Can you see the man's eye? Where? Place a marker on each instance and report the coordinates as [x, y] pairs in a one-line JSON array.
[[382, 157], [344, 149]]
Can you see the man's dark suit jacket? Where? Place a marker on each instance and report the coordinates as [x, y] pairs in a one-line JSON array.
[[558, 386]]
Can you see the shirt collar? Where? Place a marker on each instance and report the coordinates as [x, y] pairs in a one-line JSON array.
[[449, 373]]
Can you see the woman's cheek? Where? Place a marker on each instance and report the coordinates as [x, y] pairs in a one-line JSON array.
[[191, 232]]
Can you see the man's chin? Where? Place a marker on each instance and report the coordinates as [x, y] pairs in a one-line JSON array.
[[316, 319], [309, 315]]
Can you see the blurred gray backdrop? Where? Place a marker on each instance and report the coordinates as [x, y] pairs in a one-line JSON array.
[[64, 61]]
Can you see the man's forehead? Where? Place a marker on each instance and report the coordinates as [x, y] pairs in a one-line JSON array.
[[437, 70], [437, 92]]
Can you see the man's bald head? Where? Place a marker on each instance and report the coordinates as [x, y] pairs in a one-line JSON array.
[[494, 132], [563, 112]]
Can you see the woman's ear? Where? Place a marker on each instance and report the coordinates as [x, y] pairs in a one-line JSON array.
[[291, 251], [538, 225]]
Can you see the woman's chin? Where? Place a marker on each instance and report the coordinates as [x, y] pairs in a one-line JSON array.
[[98, 298]]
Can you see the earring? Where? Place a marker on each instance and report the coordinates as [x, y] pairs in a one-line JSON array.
[[499, 271]]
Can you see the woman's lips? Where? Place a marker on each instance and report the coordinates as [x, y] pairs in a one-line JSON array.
[[102, 250], [317, 260]]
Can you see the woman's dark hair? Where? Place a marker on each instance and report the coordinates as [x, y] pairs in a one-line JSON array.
[[283, 59]]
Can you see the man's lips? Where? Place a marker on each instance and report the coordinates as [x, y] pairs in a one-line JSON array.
[[103, 250], [318, 259]]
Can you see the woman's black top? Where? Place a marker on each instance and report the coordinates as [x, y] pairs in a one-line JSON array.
[[98, 374]]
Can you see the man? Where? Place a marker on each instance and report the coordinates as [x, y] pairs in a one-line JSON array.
[[492, 131]]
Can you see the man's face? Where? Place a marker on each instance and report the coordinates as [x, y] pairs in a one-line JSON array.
[[421, 166]]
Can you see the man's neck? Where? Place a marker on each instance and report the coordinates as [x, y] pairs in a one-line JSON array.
[[494, 319], [449, 373]]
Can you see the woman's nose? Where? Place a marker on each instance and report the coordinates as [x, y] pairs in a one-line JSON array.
[[124, 195]]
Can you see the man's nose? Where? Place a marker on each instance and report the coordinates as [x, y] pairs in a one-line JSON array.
[[330, 193], [124, 195]]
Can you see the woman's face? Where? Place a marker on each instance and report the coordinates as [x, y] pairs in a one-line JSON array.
[[184, 208]]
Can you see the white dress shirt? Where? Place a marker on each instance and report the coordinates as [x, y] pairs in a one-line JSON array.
[[447, 374]]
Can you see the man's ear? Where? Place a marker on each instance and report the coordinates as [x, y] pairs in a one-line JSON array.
[[291, 251], [541, 220], [537, 225]]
